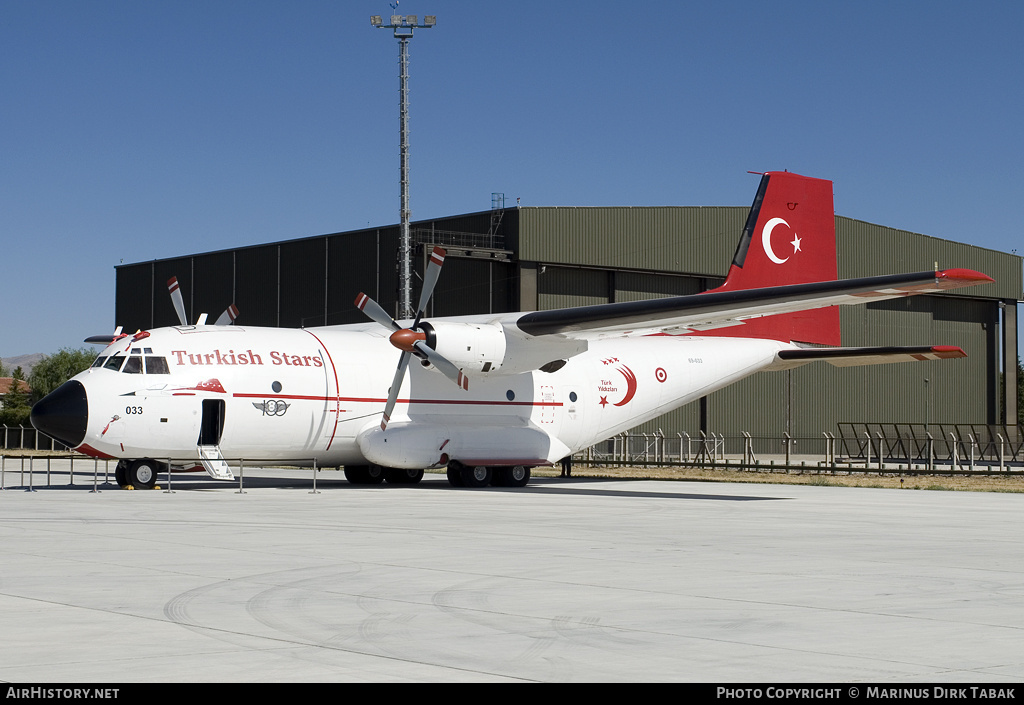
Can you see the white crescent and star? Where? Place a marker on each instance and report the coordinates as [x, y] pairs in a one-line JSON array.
[[766, 240]]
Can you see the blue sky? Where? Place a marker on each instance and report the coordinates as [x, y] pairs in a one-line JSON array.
[[135, 131]]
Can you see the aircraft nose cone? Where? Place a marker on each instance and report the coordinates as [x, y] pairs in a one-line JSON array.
[[63, 414]]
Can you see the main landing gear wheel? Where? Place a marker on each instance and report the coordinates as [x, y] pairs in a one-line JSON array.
[[400, 476], [364, 474], [476, 476], [515, 476], [455, 475], [142, 474]]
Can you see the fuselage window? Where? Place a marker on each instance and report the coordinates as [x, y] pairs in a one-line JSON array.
[[99, 361], [157, 366], [133, 366], [114, 362]]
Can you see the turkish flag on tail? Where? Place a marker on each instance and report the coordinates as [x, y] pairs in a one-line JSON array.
[[789, 238]]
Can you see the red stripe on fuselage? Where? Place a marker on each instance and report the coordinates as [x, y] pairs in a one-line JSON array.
[[382, 400]]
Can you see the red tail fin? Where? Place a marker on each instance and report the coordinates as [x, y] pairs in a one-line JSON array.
[[789, 238]]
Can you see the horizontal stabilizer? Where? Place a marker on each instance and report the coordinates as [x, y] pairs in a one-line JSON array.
[[853, 357]]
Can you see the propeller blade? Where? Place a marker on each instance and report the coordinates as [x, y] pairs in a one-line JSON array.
[[179, 303], [396, 385], [430, 279], [228, 317], [374, 311], [443, 365], [409, 339]]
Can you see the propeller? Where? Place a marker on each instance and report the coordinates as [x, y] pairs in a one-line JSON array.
[[412, 340], [226, 318], [177, 300], [106, 339]]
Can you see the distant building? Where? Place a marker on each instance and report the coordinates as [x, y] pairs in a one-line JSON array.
[[5, 388]]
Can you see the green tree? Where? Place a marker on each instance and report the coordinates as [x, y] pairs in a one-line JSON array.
[[16, 408], [54, 370]]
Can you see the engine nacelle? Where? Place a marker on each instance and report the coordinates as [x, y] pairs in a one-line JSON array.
[[473, 347], [489, 348]]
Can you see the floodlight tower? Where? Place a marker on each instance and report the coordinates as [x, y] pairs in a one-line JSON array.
[[403, 26]]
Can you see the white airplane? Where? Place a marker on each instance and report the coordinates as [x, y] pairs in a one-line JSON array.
[[487, 396]]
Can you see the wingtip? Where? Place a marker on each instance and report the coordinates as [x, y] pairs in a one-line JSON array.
[[968, 277]]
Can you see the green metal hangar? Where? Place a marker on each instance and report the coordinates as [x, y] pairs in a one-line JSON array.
[[509, 259]]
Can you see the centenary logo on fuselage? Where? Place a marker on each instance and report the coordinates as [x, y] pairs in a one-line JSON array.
[[272, 407]]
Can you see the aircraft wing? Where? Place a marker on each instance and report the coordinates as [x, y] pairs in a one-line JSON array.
[[719, 309]]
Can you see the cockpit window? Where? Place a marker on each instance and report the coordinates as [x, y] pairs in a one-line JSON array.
[[154, 365], [157, 366], [113, 362]]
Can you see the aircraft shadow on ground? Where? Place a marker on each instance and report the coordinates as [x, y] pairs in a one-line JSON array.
[[592, 487]]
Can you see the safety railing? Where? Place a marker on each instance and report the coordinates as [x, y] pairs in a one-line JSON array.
[[29, 472], [880, 452], [27, 438]]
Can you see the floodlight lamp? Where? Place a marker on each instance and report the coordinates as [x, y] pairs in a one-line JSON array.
[[411, 20], [430, 20], [375, 20], [396, 20]]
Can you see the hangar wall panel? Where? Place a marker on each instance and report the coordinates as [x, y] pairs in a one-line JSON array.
[[256, 283], [134, 297], [864, 249], [470, 286], [564, 287], [697, 240], [355, 263], [302, 283], [213, 285], [643, 286]]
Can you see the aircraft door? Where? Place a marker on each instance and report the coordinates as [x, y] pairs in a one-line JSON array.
[[213, 422]]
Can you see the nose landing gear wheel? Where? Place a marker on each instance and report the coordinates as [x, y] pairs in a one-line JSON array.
[[142, 473], [121, 474]]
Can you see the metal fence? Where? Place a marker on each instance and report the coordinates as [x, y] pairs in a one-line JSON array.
[[27, 438], [26, 471], [858, 447], [973, 447]]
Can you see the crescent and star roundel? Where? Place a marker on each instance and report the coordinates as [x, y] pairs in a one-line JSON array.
[[766, 240], [605, 385]]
